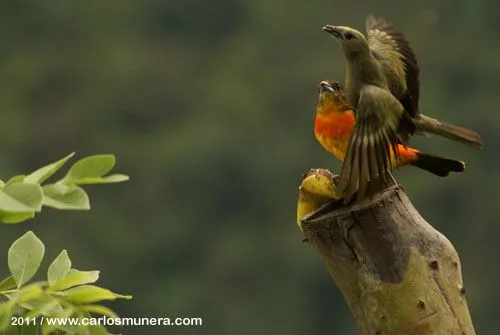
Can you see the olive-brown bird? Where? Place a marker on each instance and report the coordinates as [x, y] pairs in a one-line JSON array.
[[334, 125], [382, 87]]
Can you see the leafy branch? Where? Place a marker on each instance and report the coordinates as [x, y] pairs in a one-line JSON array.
[[24, 195], [67, 292]]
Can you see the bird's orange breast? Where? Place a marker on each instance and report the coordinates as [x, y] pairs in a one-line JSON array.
[[333, 131]]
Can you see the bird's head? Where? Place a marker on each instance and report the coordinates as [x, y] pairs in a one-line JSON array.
[[332, 97], [352, 41]]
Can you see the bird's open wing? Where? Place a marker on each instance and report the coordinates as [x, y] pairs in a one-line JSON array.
[[374, 137], [398, 60]]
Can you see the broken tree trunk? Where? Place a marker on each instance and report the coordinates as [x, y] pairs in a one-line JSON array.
[[397, 273]]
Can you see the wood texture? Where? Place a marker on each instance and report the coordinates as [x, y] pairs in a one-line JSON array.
[[397, 273]]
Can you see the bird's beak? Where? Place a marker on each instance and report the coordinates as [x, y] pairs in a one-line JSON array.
[[325, 87], [333, 30]]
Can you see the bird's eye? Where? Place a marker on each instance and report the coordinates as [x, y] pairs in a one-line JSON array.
[[337, 87], [348, 36]]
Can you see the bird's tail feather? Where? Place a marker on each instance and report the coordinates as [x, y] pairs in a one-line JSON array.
[[438, 165], [449, 131]]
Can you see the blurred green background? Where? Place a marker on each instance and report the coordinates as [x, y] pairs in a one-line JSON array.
[[209, 108]]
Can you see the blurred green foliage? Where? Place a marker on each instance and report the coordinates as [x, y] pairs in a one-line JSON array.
[[66, 292], [209, 106]]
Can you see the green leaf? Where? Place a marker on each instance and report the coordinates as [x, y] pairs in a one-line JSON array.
[[6, 312], [2, 183], [93, 328], [89, 293], [59, 267], [19, 201], [45, 304], [25, 256], [64, 314], [75, 278], [28, 292], [16, 179], [90, 167], [5, 306], [114, 178], [7, 284], [21, 197], [43, 173], [9, 217], [99, 309], [62, 196], [66, 329]]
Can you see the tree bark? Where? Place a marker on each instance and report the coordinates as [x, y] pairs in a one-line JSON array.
[[397, 273]]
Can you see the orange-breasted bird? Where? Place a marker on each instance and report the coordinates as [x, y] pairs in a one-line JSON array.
[[334, 125], [382, 86]]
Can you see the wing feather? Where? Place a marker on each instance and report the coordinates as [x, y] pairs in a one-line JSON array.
[[398, 60], [374, 137]]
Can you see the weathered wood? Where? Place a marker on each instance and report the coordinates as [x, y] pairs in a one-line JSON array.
[[397, 273]]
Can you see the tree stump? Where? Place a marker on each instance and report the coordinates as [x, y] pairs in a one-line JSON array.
[[397, 273]]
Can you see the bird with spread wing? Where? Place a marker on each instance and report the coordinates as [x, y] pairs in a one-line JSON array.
[[382, 87], [335, 122]]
